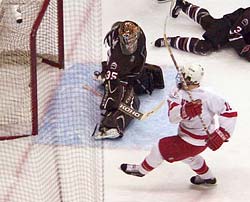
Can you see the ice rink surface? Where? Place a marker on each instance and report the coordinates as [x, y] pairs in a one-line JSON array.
[[225, 73]]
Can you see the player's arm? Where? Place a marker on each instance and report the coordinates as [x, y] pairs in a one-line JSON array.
[[174, 109], [178, 111], [235, 36], [227, 120]]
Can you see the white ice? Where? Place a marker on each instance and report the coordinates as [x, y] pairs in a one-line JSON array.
[[226, 74]]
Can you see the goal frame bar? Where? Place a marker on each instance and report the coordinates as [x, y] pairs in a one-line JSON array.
[[33, 62]]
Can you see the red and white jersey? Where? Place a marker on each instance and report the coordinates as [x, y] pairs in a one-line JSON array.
[[192, 130]]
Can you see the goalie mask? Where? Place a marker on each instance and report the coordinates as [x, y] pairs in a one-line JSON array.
[[129, 33], [191, 73]]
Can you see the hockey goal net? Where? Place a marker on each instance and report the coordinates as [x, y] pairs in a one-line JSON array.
[[31, 34], [62, 163]]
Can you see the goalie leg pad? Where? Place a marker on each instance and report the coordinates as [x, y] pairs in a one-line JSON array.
[[117, 119], [113, 93]]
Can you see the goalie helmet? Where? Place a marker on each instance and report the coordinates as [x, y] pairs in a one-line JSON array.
[[129, 33], [191, 73]]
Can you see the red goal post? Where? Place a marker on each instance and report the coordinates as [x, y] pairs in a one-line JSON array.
[[27, 50]]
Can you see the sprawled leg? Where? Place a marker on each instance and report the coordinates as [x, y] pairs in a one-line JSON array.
[[188, 44], [191, 44], [196, 13]]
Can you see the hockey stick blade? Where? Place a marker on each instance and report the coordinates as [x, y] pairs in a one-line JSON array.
[[155, 109]]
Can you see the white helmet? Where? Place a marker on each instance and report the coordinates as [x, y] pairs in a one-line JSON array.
[[192, 73]]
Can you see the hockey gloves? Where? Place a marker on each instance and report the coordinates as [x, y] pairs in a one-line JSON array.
[[217, 138], [191, 109], [245, 52]]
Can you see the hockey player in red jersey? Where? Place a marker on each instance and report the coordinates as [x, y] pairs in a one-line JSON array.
[[125, 75], [231, 30], [191, 138]]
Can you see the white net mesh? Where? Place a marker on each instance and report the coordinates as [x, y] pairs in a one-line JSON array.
[[62, 162]]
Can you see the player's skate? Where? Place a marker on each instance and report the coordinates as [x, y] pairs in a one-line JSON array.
[[105, 133], [176, 6], [197, 180], [161, 42], [131, 169]]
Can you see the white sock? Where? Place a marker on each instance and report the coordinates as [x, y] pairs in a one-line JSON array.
[[207, 175]]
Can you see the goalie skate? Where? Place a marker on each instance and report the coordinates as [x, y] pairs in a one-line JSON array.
[[112, 133], [197, 180], [131, 169]]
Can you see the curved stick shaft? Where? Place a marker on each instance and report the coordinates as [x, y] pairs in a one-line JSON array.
[[181, 76]]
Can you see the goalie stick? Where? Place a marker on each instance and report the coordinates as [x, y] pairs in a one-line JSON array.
[[127, 109]]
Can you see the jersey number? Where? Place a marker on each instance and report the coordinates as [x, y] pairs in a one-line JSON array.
[[110, 75]]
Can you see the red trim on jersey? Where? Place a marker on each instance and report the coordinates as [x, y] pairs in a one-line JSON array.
[[171, 105], [202, 170], [229, 114], [198, 137], [146, 166]]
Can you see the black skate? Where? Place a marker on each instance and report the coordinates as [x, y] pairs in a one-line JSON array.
[[176, 6], [197, 180], [131, 169], [160, 42]]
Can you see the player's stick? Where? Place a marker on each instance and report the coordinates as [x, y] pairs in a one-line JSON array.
[[181, 76], [128, 110]]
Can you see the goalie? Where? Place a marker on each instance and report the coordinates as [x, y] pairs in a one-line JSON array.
[[124, 75]]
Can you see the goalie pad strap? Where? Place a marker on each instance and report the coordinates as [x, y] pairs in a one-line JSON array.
[[113, 94]]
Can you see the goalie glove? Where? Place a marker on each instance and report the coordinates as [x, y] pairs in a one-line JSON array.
[[217, 138], [98, 76], [245, 52]]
